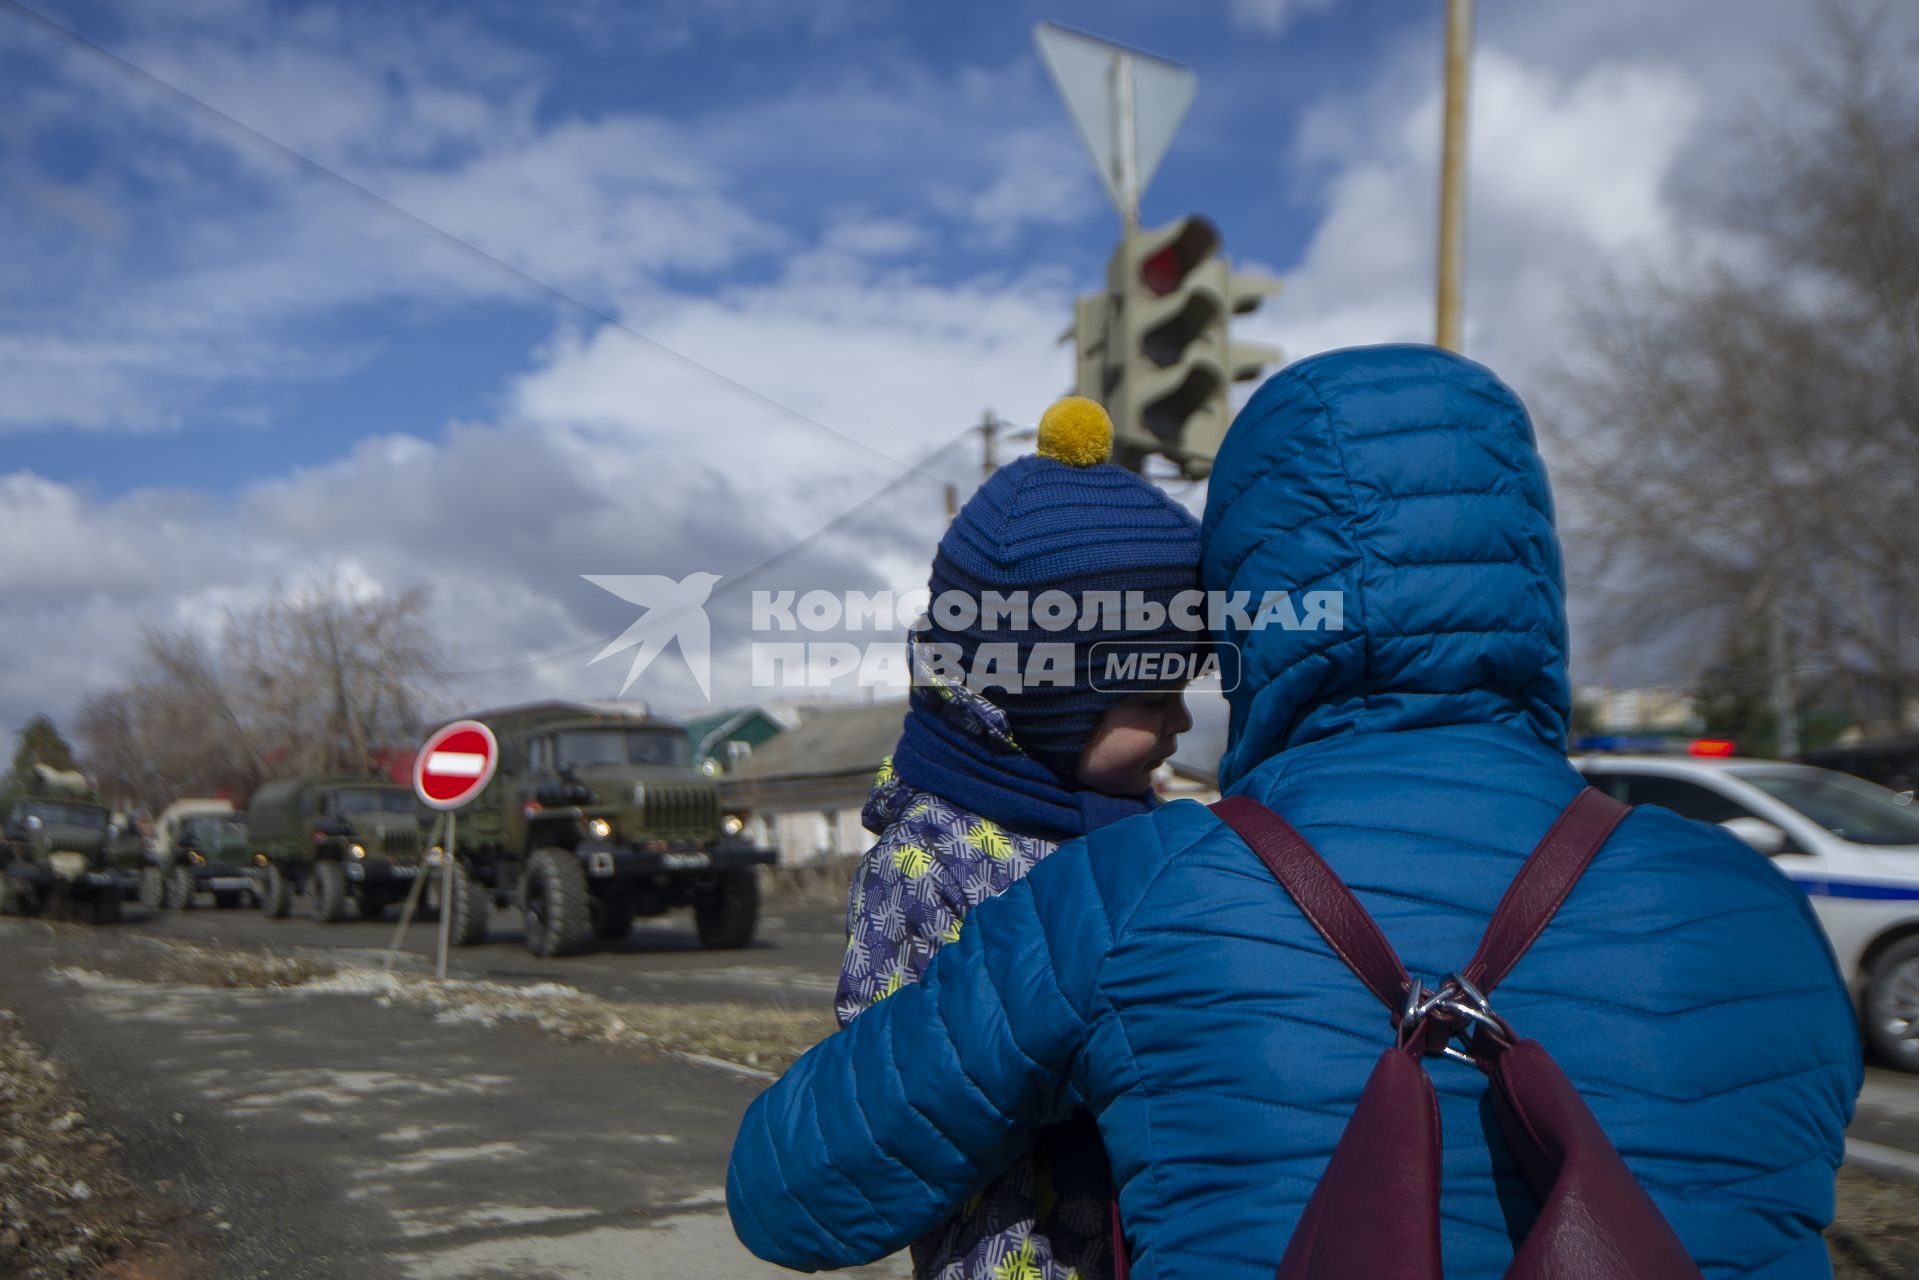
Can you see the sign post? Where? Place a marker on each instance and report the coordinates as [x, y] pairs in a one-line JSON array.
[[453, 767]]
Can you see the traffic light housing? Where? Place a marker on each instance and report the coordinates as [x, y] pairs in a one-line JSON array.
[[1155, 348]]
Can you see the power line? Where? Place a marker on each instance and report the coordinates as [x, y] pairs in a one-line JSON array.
[[733, 582], [247, 133]]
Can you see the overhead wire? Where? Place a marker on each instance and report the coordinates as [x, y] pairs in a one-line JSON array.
[[734, 582], [249, 134]]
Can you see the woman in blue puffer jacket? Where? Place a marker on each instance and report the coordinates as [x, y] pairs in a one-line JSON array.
[[1156, 975]]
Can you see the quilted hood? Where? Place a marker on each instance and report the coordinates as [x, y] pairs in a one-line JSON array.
[[1407, 479]]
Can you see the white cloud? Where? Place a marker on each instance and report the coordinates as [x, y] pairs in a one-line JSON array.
[[611, 458], [1271, 17], [1567, 171]]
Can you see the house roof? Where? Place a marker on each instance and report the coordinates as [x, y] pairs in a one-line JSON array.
[[829, 740], [707, 731]]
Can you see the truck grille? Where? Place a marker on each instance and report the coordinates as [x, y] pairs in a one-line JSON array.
[[681, 811], [401, 843]]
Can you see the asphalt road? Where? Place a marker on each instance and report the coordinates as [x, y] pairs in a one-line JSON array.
[[794, 960], [343, 1137], [337, 1136]]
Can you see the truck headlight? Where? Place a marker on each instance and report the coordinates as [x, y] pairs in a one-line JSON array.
[[357, 850], [732, 824], [710, 767], [599, 828]]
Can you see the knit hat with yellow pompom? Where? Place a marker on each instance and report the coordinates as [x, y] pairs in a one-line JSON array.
[[1064, 519]]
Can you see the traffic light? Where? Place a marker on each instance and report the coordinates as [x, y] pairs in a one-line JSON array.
[[1155, 348]]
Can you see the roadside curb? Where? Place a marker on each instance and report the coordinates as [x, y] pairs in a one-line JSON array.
[[1889, 1161]]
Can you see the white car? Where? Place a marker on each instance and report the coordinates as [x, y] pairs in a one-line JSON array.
[[1851, 845]]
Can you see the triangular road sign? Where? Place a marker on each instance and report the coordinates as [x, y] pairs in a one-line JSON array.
[[1084, 67]]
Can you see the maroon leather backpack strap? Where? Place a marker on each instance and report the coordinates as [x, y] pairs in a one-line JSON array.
[[1537, 892], [1322, 896]]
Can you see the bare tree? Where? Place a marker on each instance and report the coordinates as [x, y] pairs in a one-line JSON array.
[[1747, 433], [317, 681]]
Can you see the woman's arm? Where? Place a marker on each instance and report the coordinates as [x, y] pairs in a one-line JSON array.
[[872, 1137]]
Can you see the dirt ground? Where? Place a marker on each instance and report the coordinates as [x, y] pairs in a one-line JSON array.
[[65, 1209]]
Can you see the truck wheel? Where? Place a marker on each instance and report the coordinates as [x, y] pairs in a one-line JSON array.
[[181, 887], [153, 888], [471, 906], [276, 895], [13, 896], [326, 893], [727, 917], [612, 920], [1892, 1006], [557, 906]]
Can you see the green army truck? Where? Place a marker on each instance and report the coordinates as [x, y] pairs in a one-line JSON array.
[[594, 817], [54, 855], [337, 840], [201, 846]]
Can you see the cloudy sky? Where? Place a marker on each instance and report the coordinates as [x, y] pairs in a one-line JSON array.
[[488, 296]]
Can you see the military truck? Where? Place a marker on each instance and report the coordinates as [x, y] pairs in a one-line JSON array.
[[53, 851], [596, 816], [337, 840], [201, 846]]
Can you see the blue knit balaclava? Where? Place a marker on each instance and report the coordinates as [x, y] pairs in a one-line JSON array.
[[1066, 520]]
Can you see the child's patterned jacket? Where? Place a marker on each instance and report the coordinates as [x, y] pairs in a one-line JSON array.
[[1045, 1218]]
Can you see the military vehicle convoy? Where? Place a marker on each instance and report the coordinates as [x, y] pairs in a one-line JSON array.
[[593, 818], [201, 846], [54, 855], [339, 840]]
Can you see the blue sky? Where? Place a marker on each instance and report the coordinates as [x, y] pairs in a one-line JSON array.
[[862, 224], [156, 179]]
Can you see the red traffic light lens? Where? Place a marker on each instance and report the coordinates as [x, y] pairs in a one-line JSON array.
[[1166, 268], [1163, 271]]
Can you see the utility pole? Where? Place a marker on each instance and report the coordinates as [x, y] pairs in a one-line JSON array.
[[1125, 134], [1784, 696], [1452, 170]]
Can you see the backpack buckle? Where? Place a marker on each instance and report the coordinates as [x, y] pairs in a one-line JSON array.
[[1457, 1011]]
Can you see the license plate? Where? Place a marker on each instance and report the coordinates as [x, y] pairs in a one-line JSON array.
[[220, 884], [404, 873], [685, 861]]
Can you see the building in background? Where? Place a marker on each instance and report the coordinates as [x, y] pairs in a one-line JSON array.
[[805, 787], [731, 736]]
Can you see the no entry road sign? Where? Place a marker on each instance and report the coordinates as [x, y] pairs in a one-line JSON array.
[[455, 764]]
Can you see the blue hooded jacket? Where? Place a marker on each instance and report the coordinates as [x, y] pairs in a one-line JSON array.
[[1156, 974]]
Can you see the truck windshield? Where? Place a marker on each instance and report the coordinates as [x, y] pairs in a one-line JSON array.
[[594, 747], [374, 801], [1849, 807], [70, 815]]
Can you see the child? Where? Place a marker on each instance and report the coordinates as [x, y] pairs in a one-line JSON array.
[[985, 782]]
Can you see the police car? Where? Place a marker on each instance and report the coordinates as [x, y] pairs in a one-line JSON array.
[[1852, 846]]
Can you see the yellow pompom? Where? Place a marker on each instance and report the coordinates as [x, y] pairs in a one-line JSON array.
[[1076, 431]]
